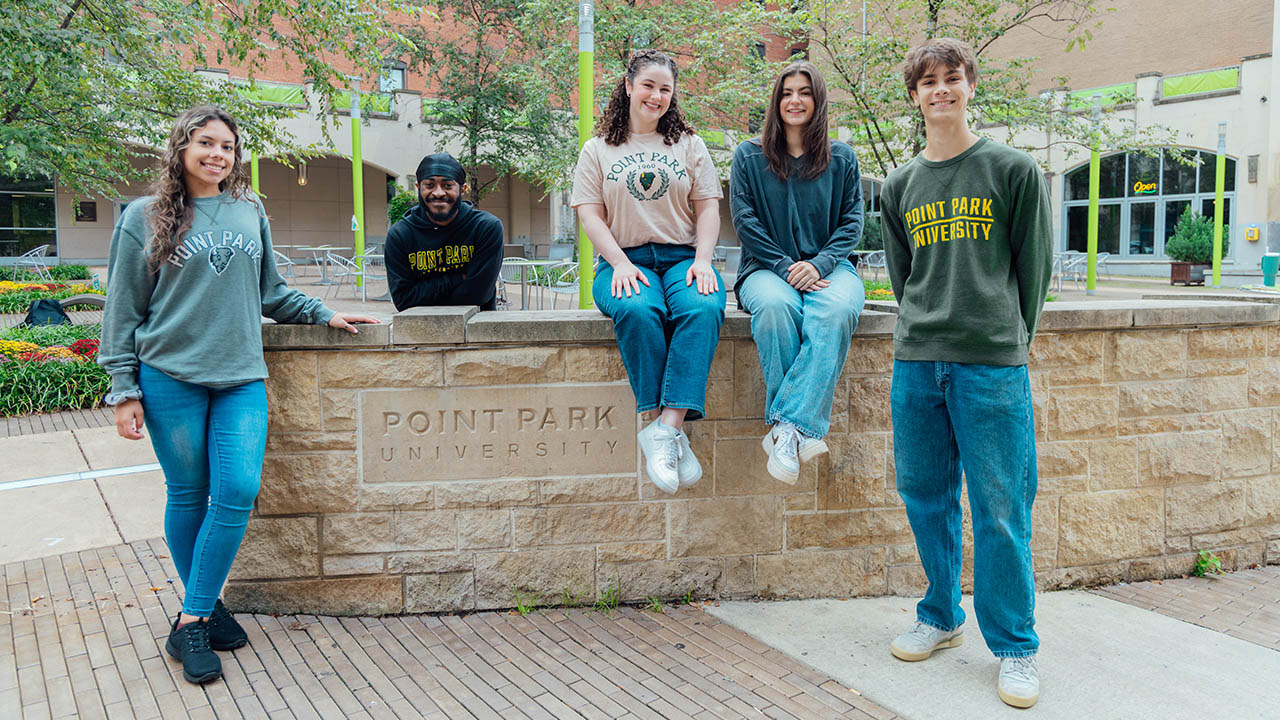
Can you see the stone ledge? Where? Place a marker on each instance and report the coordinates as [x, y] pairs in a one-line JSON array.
[[298, 337], [1152, 313], [432, 325], [537, 326]]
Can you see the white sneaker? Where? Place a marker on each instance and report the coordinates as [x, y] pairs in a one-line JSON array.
[[782, 444], [1019, 683], [660, 445], [810, 448], [689, 469], [921, 640]]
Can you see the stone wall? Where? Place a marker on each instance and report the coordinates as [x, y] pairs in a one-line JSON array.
[[1155, 423]]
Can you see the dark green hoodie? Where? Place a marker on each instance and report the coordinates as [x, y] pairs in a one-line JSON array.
[[969, 252]]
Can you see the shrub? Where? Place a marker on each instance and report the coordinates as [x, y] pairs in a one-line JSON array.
[[871, 238], [57, 272], [1192, 239], [399, 205], [17, 301], [49, 385], [46, 335]]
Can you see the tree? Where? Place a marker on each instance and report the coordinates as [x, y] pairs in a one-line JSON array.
[[864, 71], [504, 73], [87, 85]]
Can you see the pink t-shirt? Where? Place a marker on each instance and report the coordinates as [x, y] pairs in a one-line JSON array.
[[647, 187]]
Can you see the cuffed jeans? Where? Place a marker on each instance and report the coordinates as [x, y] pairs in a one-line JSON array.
[[802, 339], [953, 416], [667, 333], [210, 443]]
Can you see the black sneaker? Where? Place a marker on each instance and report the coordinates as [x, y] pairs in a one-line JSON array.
[[224, 632], [189, 644]]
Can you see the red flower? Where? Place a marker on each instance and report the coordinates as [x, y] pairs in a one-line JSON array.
[[87, 348]]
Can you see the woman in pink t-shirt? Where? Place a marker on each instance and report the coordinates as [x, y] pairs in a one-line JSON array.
[[647, 195]]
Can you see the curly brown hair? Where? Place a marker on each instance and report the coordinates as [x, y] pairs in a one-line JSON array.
[[172, 213], [615, 125]]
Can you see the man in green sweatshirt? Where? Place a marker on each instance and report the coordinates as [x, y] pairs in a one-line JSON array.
[[968, 249]]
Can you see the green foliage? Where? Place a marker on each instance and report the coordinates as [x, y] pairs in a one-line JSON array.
[[871, 238], [20, 300], [653, 604], [29, 387], [527, 601], [609, 597], [571, 599], [86, 86], [1207, 564], [864, 73], [1192, 239], [687, 598], [46, 335], [59, 273], [402, 203]]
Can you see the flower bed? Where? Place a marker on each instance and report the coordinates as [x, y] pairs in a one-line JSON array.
[[58, 273], [44, 369], [16, 297]]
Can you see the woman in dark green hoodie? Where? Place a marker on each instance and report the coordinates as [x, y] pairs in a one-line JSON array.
[[796, 199], [191, 273]]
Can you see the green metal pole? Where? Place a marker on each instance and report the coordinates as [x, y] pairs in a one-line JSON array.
[[357, 178], [1095, 165], [586, 87], [253, 171], [1218, 186]]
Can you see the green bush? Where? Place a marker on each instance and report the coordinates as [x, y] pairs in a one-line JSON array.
[[871, 237], [29, 387], [47, 335], [1192, 239], [399, 205], [59, 273]]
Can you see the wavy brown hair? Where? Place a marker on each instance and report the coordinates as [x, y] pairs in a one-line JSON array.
[[817, 146], [615, 125], [172, 213]]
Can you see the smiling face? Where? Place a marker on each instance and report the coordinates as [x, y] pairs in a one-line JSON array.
[[209, 158], [440, 196], [650, 93], [796, 107], [943, 94]]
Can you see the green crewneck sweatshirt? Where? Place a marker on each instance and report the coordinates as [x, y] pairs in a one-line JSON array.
[[198, 318], [968, 249]]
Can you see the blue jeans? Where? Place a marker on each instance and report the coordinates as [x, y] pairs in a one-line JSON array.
[[949, 416], [210, 443], [667, 333], [802, 339]]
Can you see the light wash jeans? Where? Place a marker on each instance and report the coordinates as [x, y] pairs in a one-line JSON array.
[[210, 443], [667, 333], [802, 340], [949, 417]]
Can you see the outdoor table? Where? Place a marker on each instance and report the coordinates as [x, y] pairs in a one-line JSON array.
[[524, 266], [318, 253]]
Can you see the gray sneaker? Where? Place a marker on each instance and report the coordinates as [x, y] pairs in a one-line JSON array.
[[1019, 683], [660, 445], [921, 640], [782, 443], [689, 469]]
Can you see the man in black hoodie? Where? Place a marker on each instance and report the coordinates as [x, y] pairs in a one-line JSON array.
[[444, 251]]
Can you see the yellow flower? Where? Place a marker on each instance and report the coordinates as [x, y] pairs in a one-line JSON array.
[[13, 348]]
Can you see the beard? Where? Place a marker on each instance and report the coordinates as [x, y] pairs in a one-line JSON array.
[[445, 216]]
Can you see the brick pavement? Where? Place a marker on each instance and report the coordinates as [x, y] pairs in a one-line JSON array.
[[53, 422], [1243, 604], [81, 636]]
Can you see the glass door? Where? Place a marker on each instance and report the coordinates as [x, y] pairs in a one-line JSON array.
[[1142, 229]]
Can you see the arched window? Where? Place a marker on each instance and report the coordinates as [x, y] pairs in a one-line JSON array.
[[1140, 198]]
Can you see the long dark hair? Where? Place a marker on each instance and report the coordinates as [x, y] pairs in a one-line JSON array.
[[615, 126], [172, 213], [773, 140]]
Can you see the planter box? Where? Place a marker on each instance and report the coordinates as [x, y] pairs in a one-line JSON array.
[[1187, 273]]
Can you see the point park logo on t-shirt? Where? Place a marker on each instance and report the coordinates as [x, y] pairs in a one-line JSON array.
[[648, 183]]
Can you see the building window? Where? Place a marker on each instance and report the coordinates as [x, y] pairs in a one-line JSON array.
[[392, 77], [28, 215], [1140, 198]]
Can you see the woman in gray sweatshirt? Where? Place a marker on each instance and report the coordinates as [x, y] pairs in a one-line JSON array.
[[191, 273], [796, 200]]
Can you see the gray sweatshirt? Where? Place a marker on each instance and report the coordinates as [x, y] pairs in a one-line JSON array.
[[198, 318]]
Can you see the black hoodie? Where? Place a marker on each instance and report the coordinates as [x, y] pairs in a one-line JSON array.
[[456, 264]]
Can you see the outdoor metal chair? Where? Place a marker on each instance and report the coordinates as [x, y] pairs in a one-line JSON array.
[[563, 279], [343, 269], [33, 260], [371, 259], [512, 273], [285, 266], [874, 261]]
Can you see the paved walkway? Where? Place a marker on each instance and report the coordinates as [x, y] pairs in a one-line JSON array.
[[54, 422], [81, 634]]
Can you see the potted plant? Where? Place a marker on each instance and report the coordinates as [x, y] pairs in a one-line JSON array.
[[1190, 248]]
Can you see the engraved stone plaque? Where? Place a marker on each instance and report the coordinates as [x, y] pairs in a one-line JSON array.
[[479, 433]]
